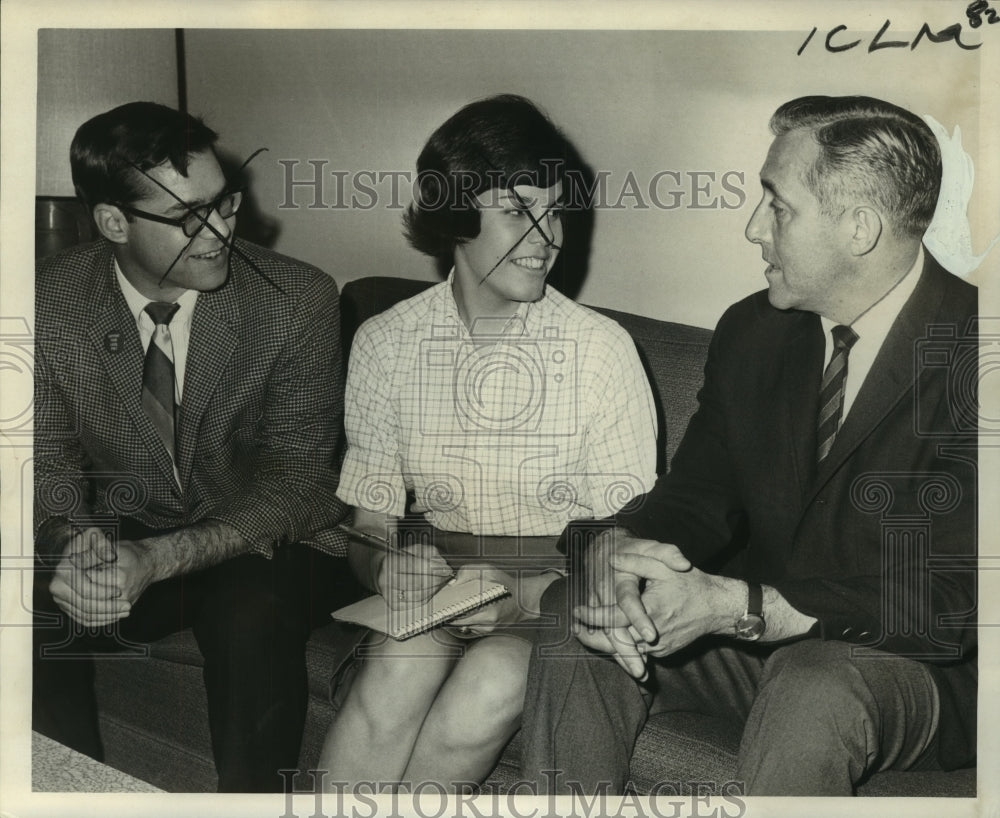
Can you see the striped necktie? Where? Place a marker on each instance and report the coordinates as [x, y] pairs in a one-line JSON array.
[[158, 375], [831, 394]]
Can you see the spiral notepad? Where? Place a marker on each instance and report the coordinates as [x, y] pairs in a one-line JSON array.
[[451, 602]]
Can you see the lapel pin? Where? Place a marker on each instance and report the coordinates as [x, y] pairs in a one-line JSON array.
[[113, 342]]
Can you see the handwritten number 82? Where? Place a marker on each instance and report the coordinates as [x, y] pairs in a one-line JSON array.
[[974, 12]]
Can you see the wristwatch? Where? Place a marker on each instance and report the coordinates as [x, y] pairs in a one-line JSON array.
[[751, 626]]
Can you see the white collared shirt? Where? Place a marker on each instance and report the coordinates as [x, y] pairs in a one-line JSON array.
[[872, 327], [180, 325]]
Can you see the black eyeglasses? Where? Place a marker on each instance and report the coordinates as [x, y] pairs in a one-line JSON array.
[[197, 217]]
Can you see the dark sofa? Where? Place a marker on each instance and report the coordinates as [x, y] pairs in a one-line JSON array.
[[153, 714]]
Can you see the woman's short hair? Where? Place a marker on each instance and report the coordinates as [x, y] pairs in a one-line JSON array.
[[109, 150], [870, 150], [498, 142]]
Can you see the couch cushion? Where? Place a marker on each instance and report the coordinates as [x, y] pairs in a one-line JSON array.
[[152, 756], [684, 753], [927, 784], [673, 356], [154, 718], [329, 649], [179, 647]]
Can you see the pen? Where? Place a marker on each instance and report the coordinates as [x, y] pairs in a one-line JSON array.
[[366, 538], [382, 544]]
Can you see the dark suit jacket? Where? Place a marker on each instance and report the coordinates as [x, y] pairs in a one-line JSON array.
[[260, 423], [879, 543]]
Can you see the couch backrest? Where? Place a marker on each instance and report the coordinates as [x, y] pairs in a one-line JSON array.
[[673, 354]]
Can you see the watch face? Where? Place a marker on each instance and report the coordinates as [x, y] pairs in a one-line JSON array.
[[750, 627]]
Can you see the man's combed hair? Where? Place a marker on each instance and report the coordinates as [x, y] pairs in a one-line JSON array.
[[869, 150], [497, 142], [107, 149]]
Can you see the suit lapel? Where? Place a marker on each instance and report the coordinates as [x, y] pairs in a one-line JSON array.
[[892, 374], [213, 340], [116, 342]]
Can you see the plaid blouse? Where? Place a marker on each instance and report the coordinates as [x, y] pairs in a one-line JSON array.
[[532, 422]]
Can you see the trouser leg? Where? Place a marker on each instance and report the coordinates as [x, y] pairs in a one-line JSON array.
[[714, 677], [63, 704], [824, 719], [252, 628], [329, 583], [582, 712]]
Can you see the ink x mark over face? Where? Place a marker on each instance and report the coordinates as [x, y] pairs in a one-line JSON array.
[[159, 259], [520, 236]]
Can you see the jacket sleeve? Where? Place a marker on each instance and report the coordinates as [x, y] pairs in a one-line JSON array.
[[61, 489], [292, 493], [696, 505]]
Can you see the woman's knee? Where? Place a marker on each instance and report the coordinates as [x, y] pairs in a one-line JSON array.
[[390, 692], [493, 675]]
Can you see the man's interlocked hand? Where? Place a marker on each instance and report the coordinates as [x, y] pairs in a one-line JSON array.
[[682, 603], [97, 580], [82, 585], [615, 619]]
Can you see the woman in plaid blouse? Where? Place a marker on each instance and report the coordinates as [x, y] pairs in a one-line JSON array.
[[491, 410]]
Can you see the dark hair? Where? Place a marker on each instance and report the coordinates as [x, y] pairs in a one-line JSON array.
[[496, 142], [869, 149], [107, 149]]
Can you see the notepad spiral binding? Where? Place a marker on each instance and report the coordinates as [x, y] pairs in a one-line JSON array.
[[442, 615]]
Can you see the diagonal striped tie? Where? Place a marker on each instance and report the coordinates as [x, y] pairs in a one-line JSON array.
[[158, 375], [831, 393]]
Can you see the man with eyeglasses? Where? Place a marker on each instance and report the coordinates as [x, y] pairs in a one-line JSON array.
[[188, 395]]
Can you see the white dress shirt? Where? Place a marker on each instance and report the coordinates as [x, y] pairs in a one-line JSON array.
[[180, 325], [872, 327]]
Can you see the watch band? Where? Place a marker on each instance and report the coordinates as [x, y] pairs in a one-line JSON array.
[[755, 599], [751, 626]]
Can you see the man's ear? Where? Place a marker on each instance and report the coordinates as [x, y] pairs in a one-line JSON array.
[[111, 223], [866, 229]]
